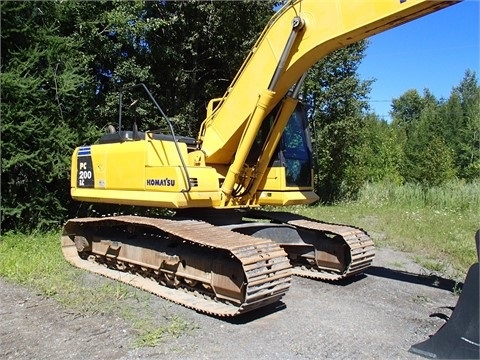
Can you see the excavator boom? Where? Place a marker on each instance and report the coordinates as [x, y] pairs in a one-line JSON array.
[[327, 25]]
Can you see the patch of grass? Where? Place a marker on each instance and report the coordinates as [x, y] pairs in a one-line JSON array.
[[149, 334], [456, 195], [421, 299], [398, 264], [457, 290], [36, 261], [431, 264]]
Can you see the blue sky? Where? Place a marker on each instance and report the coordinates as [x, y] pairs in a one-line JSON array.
[[431, 52]]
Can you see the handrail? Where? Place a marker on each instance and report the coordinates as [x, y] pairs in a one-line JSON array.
[[142, 85]]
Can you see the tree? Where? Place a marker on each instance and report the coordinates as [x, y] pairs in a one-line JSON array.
[[463, 114], [406, 109], [428, 159], [199, 51], [43, 88], [337, 97], [440, 137], [381, 153]]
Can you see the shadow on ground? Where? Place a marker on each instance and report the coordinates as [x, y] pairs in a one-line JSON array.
[[256, 314], [425, 280]]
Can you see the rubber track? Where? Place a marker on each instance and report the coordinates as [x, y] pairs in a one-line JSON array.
[[362, 248], [263, 286]]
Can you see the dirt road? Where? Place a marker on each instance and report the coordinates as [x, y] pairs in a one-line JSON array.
[[376, 316]]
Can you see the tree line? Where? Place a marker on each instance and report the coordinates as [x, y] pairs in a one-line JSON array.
[[63, 64], [429, 141]]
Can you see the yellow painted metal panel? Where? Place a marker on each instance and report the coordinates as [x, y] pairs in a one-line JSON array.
[[274, 179], [148, 198], [163, 153], [164, 178], [284, 198]]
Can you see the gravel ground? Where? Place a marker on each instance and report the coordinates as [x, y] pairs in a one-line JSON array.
[[375, 316]]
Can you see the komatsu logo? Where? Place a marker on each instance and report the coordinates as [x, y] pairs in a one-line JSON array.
[[160, 182]]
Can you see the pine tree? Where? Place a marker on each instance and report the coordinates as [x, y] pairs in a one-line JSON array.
[[43, 87], [467, 136]]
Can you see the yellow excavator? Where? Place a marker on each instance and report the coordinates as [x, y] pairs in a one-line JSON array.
[[220, 253]]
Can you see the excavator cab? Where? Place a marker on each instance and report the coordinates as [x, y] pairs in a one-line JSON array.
[[290, 171], [295, 151]]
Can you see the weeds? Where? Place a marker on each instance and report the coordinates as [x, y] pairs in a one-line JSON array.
[[150, 334], [421, 299], [457, 289], [454, 196], [431, 264]]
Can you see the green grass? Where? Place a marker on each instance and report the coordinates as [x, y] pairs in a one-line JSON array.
[[436, 225], [36, 261], [150, 333], [457, 196]]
